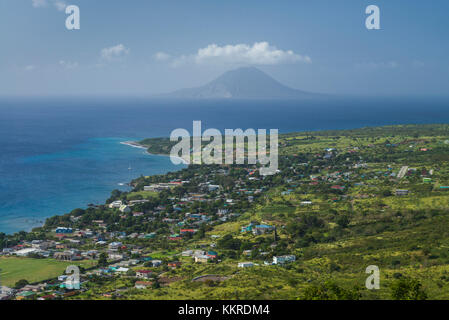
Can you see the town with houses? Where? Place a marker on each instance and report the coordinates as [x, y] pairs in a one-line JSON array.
[[211, 231]]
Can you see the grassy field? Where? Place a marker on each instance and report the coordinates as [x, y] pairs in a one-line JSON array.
[[14, 269]]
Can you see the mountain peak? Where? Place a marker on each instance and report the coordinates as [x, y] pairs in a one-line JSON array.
[[241, 83]]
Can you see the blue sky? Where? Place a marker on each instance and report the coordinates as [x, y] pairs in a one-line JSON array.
[[143, 47]]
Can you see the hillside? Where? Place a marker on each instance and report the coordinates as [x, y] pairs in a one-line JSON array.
[[338, 205]]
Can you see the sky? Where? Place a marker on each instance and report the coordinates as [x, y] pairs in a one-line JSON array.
[[143, 47]]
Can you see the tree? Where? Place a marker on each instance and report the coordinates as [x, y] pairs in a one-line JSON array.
[[343, 221], [407, 289], [156, 284], [103, 260], [330, 291], [20, 284]]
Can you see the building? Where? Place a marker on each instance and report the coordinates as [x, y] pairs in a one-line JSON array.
[[202, 259], [400, 192], [245, 264], [144, 274], [283, 259], [125, 209], [155, 263], [184, 231], [64, 256], [212, 254], [25, 252], [262, 229], [6, 293], [174, 264], [62, 230], [116, 204], [142, 284]]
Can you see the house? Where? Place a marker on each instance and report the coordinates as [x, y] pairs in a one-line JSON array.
[[115, 246], [212, 254], [174, 237], [144, 274], [8, 250], [222, 212], [155, 263], [62, 278], [142, 284], [6, 293], [184, 231], [187, 253], [122, 270], [247, 228], [245, 264], [25, 295], [400, 192], [174, 264], [64, 256], [125, 209], [202, 259], [41, 245], [262, 229], [198, 253], [283, 259], [47, 297], [62, 230], [116, 204], [115, 256], [25, 252], [212, 187]]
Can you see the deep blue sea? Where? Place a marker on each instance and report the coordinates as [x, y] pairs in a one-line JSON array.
[[58, 154]]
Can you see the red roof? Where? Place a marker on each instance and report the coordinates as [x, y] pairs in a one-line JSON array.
[[144, 271]]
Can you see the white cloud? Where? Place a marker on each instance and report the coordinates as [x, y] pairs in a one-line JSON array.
[[58, 4], [68, 64], [377, 65], [260, 53], [162, 56], [39, 3], [114, 53], [29, 68]]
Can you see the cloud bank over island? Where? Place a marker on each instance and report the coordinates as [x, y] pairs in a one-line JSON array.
[[259, 53]]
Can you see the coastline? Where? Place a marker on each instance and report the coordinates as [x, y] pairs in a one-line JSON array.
[[40, 221], [135, 144]]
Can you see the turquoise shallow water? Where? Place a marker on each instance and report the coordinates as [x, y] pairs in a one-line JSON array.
[[56, 183]]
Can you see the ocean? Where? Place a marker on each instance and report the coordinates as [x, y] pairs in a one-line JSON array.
[[58, 154]]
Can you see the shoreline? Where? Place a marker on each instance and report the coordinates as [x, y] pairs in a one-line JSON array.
[[132, 144], [135, 144]]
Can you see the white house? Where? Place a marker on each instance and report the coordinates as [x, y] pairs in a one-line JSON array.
[[116, 204], [125, 209], [245, 264], [26, 252], [283, 259]]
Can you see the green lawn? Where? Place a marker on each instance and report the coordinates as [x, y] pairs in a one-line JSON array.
[[14, 269]]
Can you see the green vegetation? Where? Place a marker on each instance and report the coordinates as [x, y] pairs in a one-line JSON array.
[[342, 201], [33, 270]]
